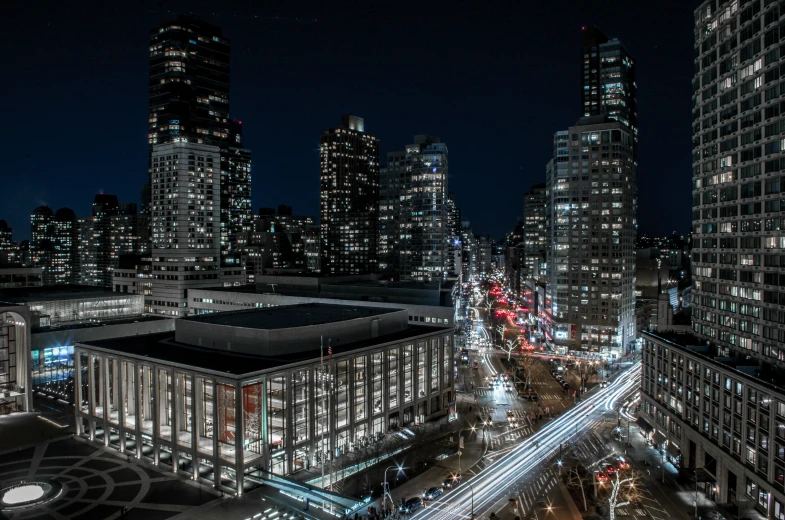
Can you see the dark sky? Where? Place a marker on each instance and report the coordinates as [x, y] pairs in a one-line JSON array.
[[494, 80]]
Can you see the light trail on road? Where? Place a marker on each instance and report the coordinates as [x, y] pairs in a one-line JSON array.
[[492, 483]]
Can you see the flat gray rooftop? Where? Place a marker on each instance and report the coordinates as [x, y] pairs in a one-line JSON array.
[[290, 316], [55, 293]]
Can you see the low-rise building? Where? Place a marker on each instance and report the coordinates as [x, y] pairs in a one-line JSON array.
[[428, 303], [11, 277], [718, 414], [276, 390]]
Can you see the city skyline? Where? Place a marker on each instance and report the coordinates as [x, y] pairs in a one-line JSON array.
[[284, 124]]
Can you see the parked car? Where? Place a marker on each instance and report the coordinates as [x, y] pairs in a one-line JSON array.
[[411, 505], [432, 493], [451, 481]]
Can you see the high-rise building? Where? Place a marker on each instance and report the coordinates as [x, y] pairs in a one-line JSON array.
[[592, 201], [6, 243], [733, 435], [535, 237], [185, 213], [415, 213], [349, 198], [608, 73], [189, 101], [453, 264], [280, 242], [64, 269], [95, 242], [53, 245], [736, 173]]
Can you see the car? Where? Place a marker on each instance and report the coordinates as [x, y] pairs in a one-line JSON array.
[[609, 469], [600, 476], [623, 464], [432, 493], [452, 481], [411, 505]]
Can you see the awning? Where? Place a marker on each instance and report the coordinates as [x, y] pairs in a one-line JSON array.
[[673, 450], [659, 437], [645, 426]]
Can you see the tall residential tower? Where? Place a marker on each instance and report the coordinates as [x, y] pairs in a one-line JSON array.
[[349, 198], [189, 102], [415, 210], [592, 202]]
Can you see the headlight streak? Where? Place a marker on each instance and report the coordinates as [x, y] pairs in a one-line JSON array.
[[493, 481]]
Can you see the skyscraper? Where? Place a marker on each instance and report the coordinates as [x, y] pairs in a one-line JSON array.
[[593, 221], [608, 74], [54, 245], [737, 184], [415, 214], [185, 214], [189, 102], [349, 198], [535, 238], [42, 241], [6, 243], [65, 260], [95, 241]]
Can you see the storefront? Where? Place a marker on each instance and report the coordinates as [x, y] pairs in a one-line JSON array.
[[673, 454]]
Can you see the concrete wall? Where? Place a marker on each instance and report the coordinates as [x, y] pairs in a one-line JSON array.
[[271, 342], [57, 338], [240, 300]]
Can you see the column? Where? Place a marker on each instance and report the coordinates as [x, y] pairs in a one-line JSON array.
[[78, 392], [139, 404], [175, 420], [196, 425], [155, 403], [104, 388], [120, 375], [239, 438], [216, 450]]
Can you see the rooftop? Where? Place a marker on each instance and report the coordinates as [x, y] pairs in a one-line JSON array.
[[289, 316], [58, 292], [763, 373], [100, 323], [163, 347]]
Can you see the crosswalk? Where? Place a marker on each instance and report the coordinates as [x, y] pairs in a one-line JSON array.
[[623, 511], [512, 436], [533, 494]]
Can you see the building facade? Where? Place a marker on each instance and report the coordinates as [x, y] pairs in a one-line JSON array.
[[185, 214], [349, 198], [708, 412], [737, 178], [593, 225], [415, 214], [223, 417], [535, 236], [609, 86], [189, 87]]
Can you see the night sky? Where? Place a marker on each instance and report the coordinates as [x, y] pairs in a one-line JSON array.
[[493, 80]]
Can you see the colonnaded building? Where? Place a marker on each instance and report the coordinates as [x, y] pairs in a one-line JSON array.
[[187, 400]]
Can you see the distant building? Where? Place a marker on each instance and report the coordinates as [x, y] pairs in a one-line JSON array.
[[6, 243], [189, 87], [134, 275], [11, 277], [185, 213], [54, 245], [280, 242], [535, 236], [609, 84], [415, 238], [349, 214], [593, 209]]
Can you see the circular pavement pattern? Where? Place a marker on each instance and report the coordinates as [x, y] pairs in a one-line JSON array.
[[95, 483]]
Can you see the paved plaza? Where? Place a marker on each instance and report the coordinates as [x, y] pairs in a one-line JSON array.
[[98, 483]]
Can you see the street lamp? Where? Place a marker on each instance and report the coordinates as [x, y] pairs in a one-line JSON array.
[[386, 487], [460, 446], [472, 489]]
